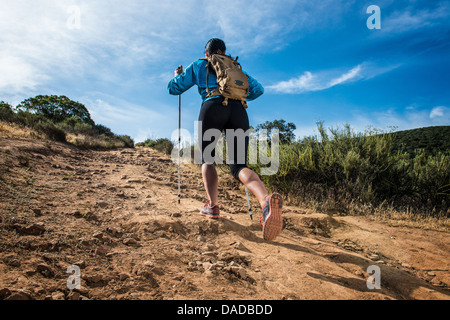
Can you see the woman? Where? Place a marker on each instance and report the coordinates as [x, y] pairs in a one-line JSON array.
[[213, 115]]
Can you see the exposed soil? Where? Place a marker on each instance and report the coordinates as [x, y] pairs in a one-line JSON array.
[[115, 215]]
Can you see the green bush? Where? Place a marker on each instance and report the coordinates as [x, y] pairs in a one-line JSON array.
[[6, 112], [162, 145], [127, 140], [50, 130]]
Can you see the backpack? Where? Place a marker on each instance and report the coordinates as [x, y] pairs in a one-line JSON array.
[[232, 81]]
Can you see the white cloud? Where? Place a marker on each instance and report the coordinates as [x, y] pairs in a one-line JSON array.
[[315, 82], [325, 79], [439, 112], [304, 83], [37, 48], [17, 75], [408, 19], [345, 77]]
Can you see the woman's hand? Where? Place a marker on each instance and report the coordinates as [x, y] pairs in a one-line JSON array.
[[179, 70]]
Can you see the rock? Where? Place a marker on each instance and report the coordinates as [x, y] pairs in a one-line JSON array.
[[101, 251], [98, 235], [95, 278], [102, 204], [45, 270], [76, 213], [30, 273], [207, 265], [123, 276], [37, 212], [14, 263], [374, 257], [239, 271], [39, 290], [114, 232], [238, 245], [123, 177], [34, 229], [50, 257], [435, 281], [4, 292], [431, 273], [234, 264], [81, 264], [242, 273], [149, 263], [192, 266], [130, 242], [19, 295], [208, 253], [208, 274], [82, 290], [210, 247], [73, 295], [58, 295], [134, 181]]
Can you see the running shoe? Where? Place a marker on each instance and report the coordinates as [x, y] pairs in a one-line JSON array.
[[210, 212], [271, 220]]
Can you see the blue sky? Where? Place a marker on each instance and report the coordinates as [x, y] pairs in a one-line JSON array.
[[317, 60]]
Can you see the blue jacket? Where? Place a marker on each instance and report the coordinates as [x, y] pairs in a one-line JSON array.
[[195, 74]]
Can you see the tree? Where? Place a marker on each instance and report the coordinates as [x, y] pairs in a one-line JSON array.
[[286, 129], [56, 108]]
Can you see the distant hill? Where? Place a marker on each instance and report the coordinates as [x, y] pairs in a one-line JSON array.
[[431, 139]]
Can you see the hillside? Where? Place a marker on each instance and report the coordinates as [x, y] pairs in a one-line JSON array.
[[431, 139], [115, 215]]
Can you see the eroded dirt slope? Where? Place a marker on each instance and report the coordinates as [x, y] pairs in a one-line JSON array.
[[115, 215]]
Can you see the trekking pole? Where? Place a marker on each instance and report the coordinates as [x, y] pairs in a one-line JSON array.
[[249, 205], [179, 149]]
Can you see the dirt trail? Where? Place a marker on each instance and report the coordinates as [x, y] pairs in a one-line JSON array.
[[115, 215]]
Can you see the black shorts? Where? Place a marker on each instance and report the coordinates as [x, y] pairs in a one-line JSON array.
[[214, 115]]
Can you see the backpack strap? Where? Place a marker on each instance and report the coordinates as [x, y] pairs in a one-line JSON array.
[[207, 79], [215, 92]]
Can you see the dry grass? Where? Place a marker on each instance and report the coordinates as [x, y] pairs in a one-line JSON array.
[[88, 142], [409, 219], [16, 131], [12, 130]]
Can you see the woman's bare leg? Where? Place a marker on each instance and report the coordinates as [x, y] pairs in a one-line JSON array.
[[210, 180], [252, 181]]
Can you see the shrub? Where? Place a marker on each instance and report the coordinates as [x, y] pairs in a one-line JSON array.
[[343, 168], [6, 112], [162, 145], [50, 130]]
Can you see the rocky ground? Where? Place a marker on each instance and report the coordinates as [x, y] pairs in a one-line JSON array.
[[114, 214]]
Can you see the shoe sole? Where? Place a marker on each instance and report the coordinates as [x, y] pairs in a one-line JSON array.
[[210, 216], [274, 222]]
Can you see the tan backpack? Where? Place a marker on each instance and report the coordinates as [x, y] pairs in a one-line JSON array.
[[232, 81]]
